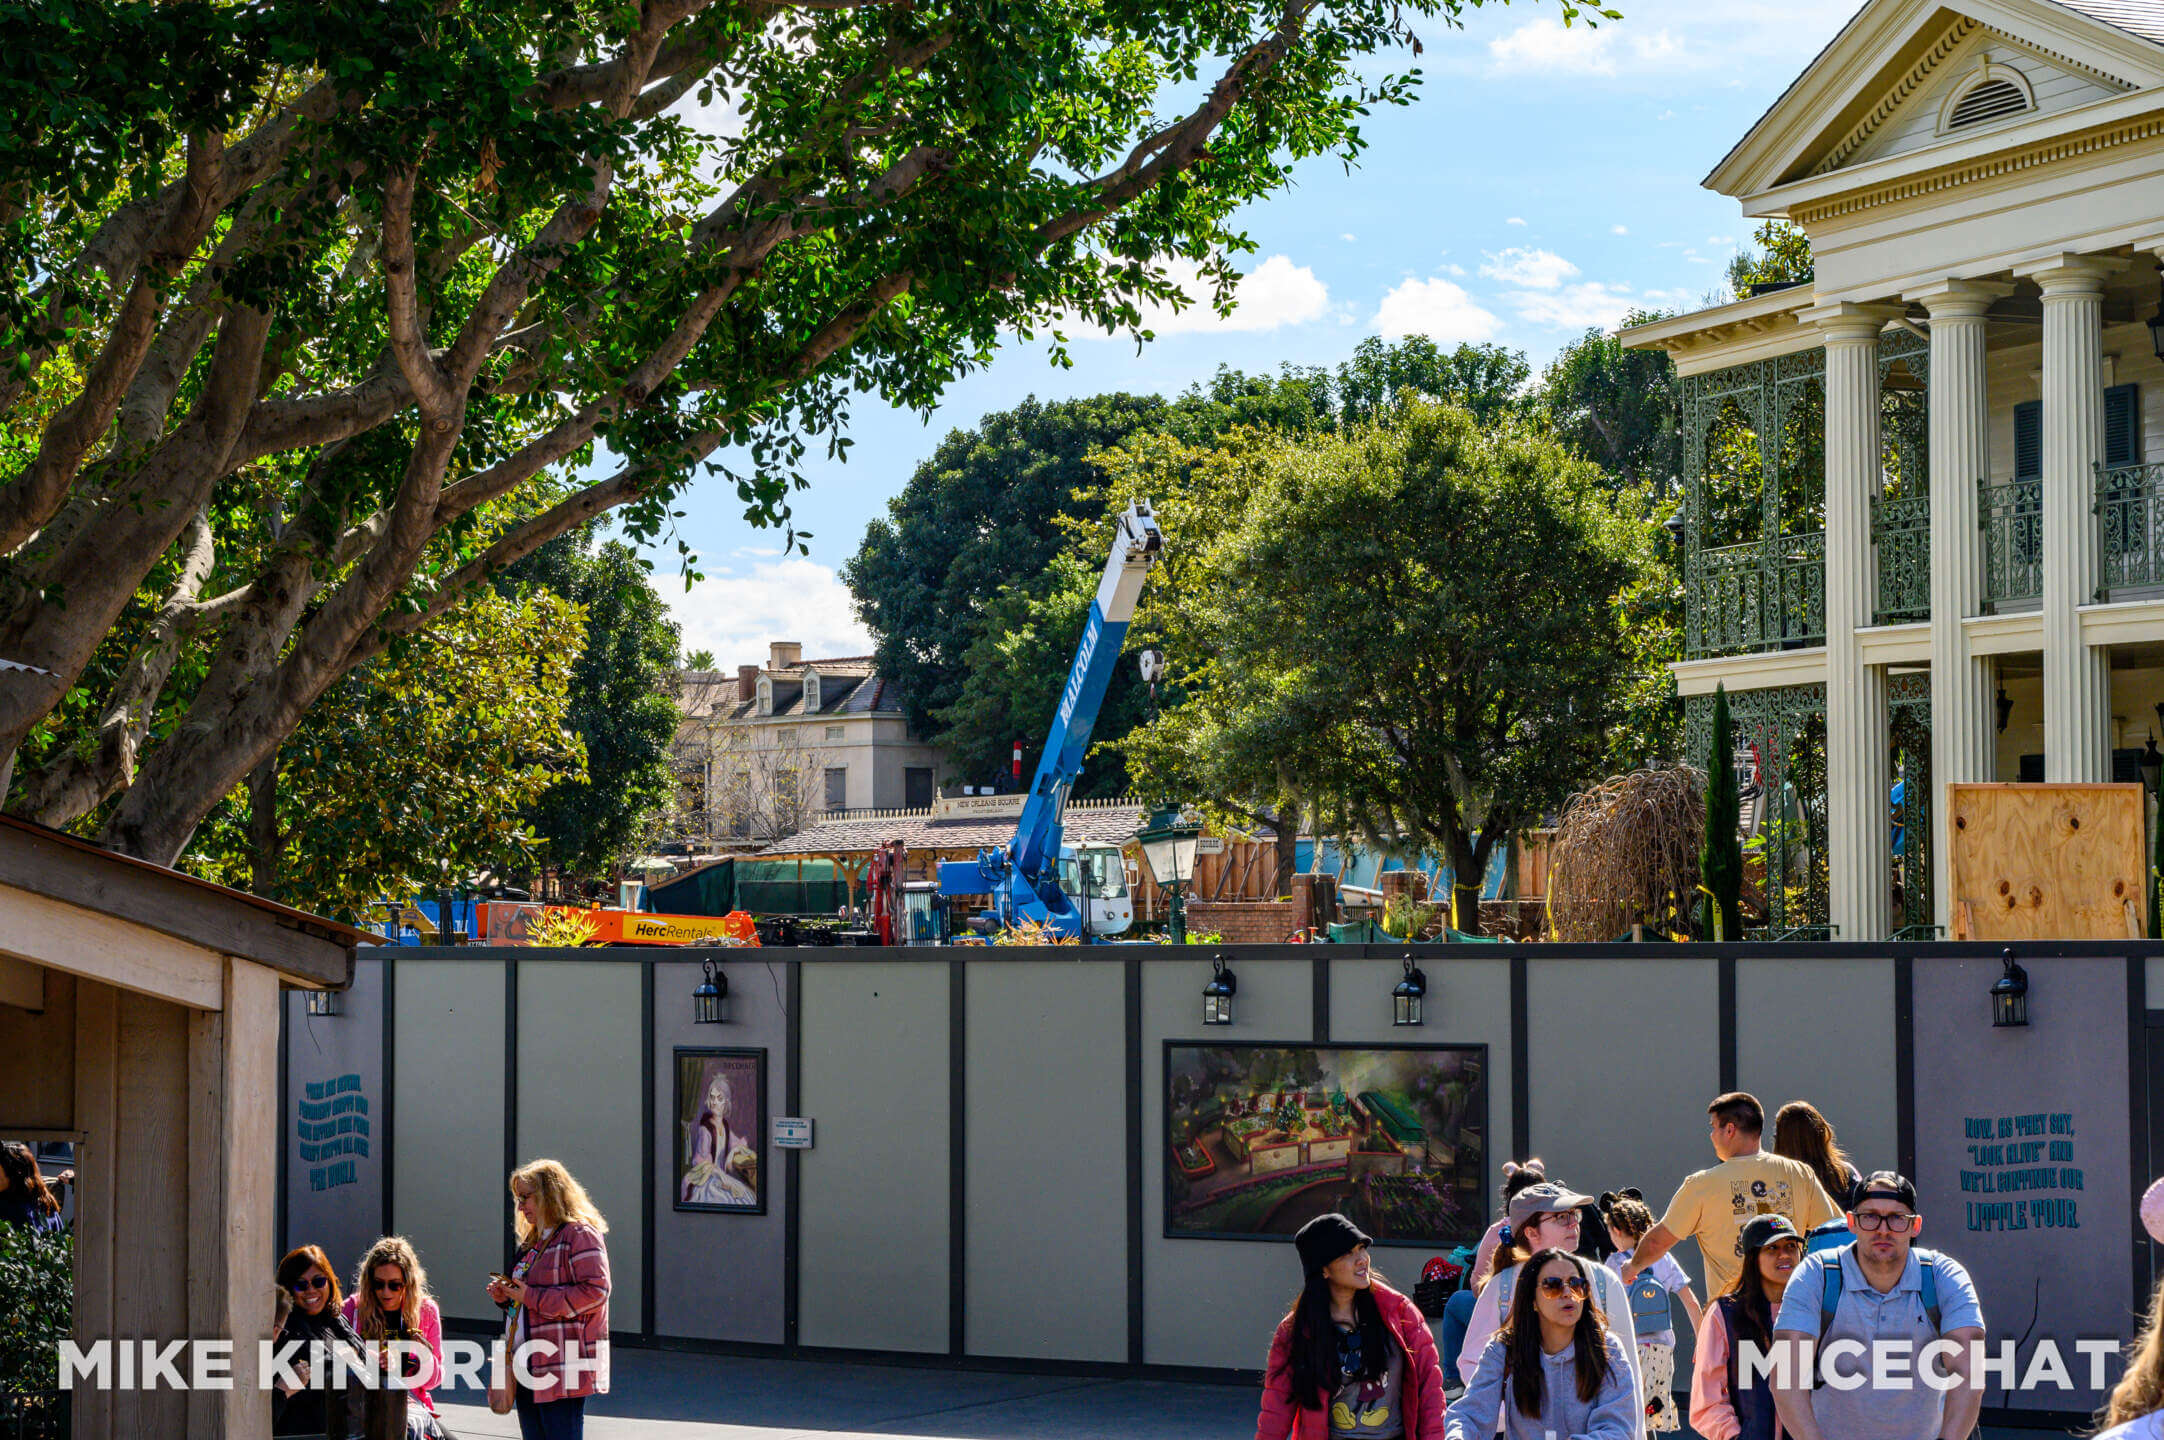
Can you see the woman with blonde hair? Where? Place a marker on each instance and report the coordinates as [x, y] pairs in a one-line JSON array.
[[390, 1301], [2136, 1408], [558, 1292]]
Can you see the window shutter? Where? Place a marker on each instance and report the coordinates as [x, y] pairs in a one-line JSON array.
[[2122, 425], [2029, 440]]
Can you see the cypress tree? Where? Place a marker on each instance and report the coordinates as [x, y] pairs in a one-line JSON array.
[[1720, 859]]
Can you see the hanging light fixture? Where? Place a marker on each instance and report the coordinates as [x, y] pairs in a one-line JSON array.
[[326, 1002], [2005, 707], [1407, 998], [1217, 995], [710, 1002], [2010, 995], [2152, 765], [2156, 331]]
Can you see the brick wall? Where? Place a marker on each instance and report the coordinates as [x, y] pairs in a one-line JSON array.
[[1244, 922]]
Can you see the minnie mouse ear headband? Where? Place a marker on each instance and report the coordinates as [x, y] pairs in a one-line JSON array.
[[1512, 1167], [1609, 1197], [2152, 1211]]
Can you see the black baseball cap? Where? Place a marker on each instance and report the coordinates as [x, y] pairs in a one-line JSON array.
[[1887, 1185], [1762, 1230]]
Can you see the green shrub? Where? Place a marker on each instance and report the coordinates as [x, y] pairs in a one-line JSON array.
[[37, 1275]]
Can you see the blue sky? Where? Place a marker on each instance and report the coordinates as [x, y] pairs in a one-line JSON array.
[[1546, 180]]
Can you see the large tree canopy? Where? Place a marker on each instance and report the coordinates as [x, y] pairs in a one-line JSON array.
[[1438, 607], [974, 581], [319, 312]]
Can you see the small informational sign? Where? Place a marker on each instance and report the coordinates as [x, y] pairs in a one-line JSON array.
[[792, 1132], [1210, 845]]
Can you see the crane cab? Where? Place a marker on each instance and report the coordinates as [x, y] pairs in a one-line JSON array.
[[1095, 879]]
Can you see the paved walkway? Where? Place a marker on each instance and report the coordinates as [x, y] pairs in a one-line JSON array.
[[658, 1395]]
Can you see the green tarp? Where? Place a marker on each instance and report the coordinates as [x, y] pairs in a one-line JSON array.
[[762, 887]]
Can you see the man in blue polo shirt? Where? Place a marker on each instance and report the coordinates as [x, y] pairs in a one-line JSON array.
[[1890, 1300]]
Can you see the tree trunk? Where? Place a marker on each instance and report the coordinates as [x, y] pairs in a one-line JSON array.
[[1464, 894], [263, 839], [1287, 825]]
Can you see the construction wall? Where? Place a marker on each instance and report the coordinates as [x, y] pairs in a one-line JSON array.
[[986, 1182]]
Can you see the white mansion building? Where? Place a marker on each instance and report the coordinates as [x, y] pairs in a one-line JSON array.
[[1922, 544]]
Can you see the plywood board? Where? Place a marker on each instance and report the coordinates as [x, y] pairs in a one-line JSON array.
[[2046, 862]]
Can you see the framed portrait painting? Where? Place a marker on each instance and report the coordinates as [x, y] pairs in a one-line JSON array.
[[720, 1120]]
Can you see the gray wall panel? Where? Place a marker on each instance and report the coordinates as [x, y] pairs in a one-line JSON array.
[[323, 1206], [717, 1276], [873, 1251], [1780, 1057], [447, 1186], [1625, 1055], [1046, 1246], [2153, 982], [1211, 1302], [2022, 1154], [579, 1076]]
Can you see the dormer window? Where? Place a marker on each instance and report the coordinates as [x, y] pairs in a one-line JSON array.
[[1992, 93], [766, 696], [811, 692]]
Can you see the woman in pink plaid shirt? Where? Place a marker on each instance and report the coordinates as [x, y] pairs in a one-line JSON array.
[[559, 1291]]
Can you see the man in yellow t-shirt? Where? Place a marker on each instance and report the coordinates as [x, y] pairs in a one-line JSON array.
[[1714, 1205]]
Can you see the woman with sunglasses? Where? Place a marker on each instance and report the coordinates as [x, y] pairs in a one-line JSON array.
[[306, 1275], [1721, 1407], [1546, 1216], [1554, 1368], [390, 1301]]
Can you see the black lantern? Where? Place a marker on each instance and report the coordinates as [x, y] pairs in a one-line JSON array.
[[1217, 995], [2152, 766], [710, 1002], [1169, 841], [1407, 997], [326, 1002], [2156, 331], [2010, 995], [1675, 524], [2005, 707]]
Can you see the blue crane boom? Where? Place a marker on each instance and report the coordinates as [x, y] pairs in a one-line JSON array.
[[1023, 879]]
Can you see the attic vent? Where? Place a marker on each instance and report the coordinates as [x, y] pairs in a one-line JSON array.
[[1988, 101]]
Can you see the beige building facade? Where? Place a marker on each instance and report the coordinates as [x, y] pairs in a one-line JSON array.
[[1924, 525], [765, 751]]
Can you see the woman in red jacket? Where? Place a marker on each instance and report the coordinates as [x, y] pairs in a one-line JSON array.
[[1352, 1356]]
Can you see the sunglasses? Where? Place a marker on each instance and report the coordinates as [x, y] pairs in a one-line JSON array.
[[389, 1287], [320, 1282], [1872, 1220], [1572, 1285]]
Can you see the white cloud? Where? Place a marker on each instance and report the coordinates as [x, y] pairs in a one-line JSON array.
[[1575, 307], [1274, 294], [1619, 229], [1530, 269], [1438, 309], [1454, 269], [736, 614], [1515, 220], [1546, 46], [1348, 237], [1720, 239]]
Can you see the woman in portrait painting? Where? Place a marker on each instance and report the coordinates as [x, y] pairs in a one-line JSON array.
[[721, 1167]]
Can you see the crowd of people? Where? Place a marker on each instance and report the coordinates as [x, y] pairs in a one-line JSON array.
[[1564, 1328], [555, 1302]]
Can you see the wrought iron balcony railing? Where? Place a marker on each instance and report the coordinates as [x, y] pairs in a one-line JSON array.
[[1758, 597], [1901, 534], [2012, 515], [2130, 527]]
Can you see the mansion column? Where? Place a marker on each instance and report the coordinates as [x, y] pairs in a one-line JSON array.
[[1963, 737], [1859, 845], [2077, 678]]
